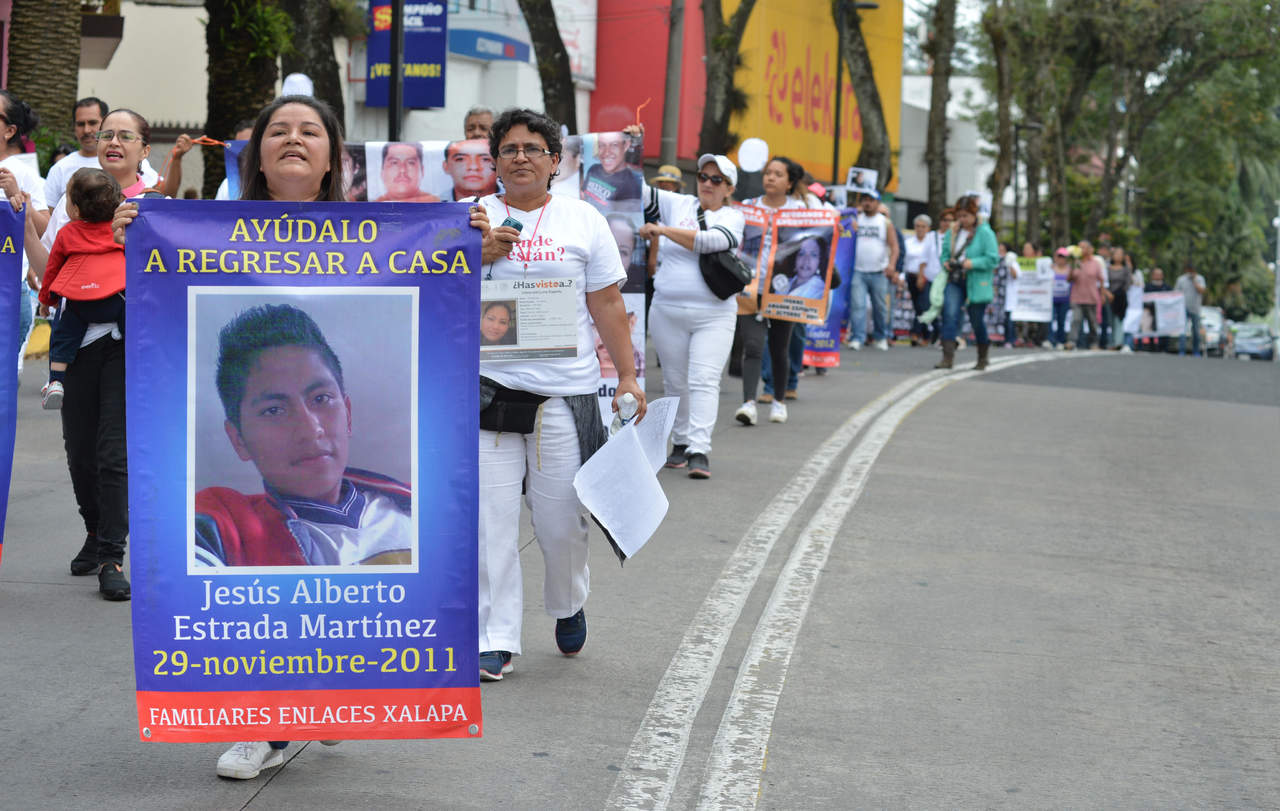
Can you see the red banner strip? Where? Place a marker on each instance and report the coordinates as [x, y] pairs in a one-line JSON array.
[[302, 715]]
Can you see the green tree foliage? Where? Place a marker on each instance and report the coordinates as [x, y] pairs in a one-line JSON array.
[[1159, 116]]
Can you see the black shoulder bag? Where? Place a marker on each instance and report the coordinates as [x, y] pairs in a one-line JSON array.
[[724, 271]]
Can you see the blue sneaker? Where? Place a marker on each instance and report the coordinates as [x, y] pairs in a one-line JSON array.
[[494, 664], [571, 633]]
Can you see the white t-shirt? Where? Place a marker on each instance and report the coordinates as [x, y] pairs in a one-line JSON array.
[[872, 255], [55, 185], [679, 278], [918, 252], [590, 258], [30, 182]]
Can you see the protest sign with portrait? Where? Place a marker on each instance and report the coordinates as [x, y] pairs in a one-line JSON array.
[[284, 584], [799, 268]]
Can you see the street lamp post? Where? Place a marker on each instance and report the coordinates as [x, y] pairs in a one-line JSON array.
[[1017, 140]]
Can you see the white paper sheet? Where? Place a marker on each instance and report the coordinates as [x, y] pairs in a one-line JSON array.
[[655, 429], [620, 488]]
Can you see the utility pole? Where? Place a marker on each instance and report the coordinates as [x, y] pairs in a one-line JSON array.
[[395, 89], [671, 97]]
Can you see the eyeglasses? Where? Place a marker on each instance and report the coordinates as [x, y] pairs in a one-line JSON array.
[[125, 136], [714, 180], [530, 151]]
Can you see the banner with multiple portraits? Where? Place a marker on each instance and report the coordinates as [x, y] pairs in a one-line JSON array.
[[12, 225], [303, 468], [601, 168]]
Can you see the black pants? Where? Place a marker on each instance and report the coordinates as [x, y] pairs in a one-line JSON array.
[[93, 431], [754, 331], [920, 303]]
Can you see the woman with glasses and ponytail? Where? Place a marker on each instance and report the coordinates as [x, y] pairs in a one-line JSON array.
[[93, 403], [692, 328]]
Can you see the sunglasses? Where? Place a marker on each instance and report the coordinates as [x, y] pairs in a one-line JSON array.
[[714, 180], [125, 136]]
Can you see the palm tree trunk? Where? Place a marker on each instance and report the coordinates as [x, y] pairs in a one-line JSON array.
[[44, 58]]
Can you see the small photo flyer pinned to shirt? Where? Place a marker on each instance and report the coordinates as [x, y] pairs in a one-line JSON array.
[[528, 318]]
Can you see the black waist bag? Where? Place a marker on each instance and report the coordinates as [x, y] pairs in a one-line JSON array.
[[508, 410], [724, 271]]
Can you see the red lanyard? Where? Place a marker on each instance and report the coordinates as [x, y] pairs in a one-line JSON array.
[[528, 251]]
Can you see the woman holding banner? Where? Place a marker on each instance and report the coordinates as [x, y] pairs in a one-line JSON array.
[[969, 256], [93, 405], [294, 154], [692, 328], [782, 189], [540, 419]]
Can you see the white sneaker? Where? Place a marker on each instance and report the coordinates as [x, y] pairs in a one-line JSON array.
[[777, 412], [1126, 349], [855, 345], [882, 345], [747, 413], [245, 760]]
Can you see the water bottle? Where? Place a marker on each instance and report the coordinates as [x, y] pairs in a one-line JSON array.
[[627, 407]]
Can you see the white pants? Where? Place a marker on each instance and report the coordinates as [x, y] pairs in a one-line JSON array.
[[693, 344], [549, 457]]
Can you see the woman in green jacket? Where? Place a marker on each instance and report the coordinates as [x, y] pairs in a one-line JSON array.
[[972, 244]]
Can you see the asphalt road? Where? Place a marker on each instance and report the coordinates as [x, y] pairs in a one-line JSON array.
[[1050, 585]]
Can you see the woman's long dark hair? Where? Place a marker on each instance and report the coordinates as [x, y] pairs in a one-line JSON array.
[[795, 173], [20, 115], [253, 183]]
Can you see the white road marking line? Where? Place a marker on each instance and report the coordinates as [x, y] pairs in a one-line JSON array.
[[736, 763], [657, 751], [656, 756]]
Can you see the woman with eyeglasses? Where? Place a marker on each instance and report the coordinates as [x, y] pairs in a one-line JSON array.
[[540, 418], [692, 328], [93, 404]]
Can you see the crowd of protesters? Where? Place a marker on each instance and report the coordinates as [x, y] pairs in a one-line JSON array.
[[78, 216]]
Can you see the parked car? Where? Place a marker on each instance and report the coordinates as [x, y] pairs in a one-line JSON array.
[[1254, 341], [1213, 329]]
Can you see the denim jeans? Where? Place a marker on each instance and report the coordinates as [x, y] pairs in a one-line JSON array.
[[1194, 320], [860, 286], [1106, 326], [1058, 334], [953, 306]]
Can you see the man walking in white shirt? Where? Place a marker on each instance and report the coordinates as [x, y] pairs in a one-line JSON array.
[[876, 253]]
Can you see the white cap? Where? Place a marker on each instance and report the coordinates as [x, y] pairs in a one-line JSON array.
[[725, 166], [297, 84]]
